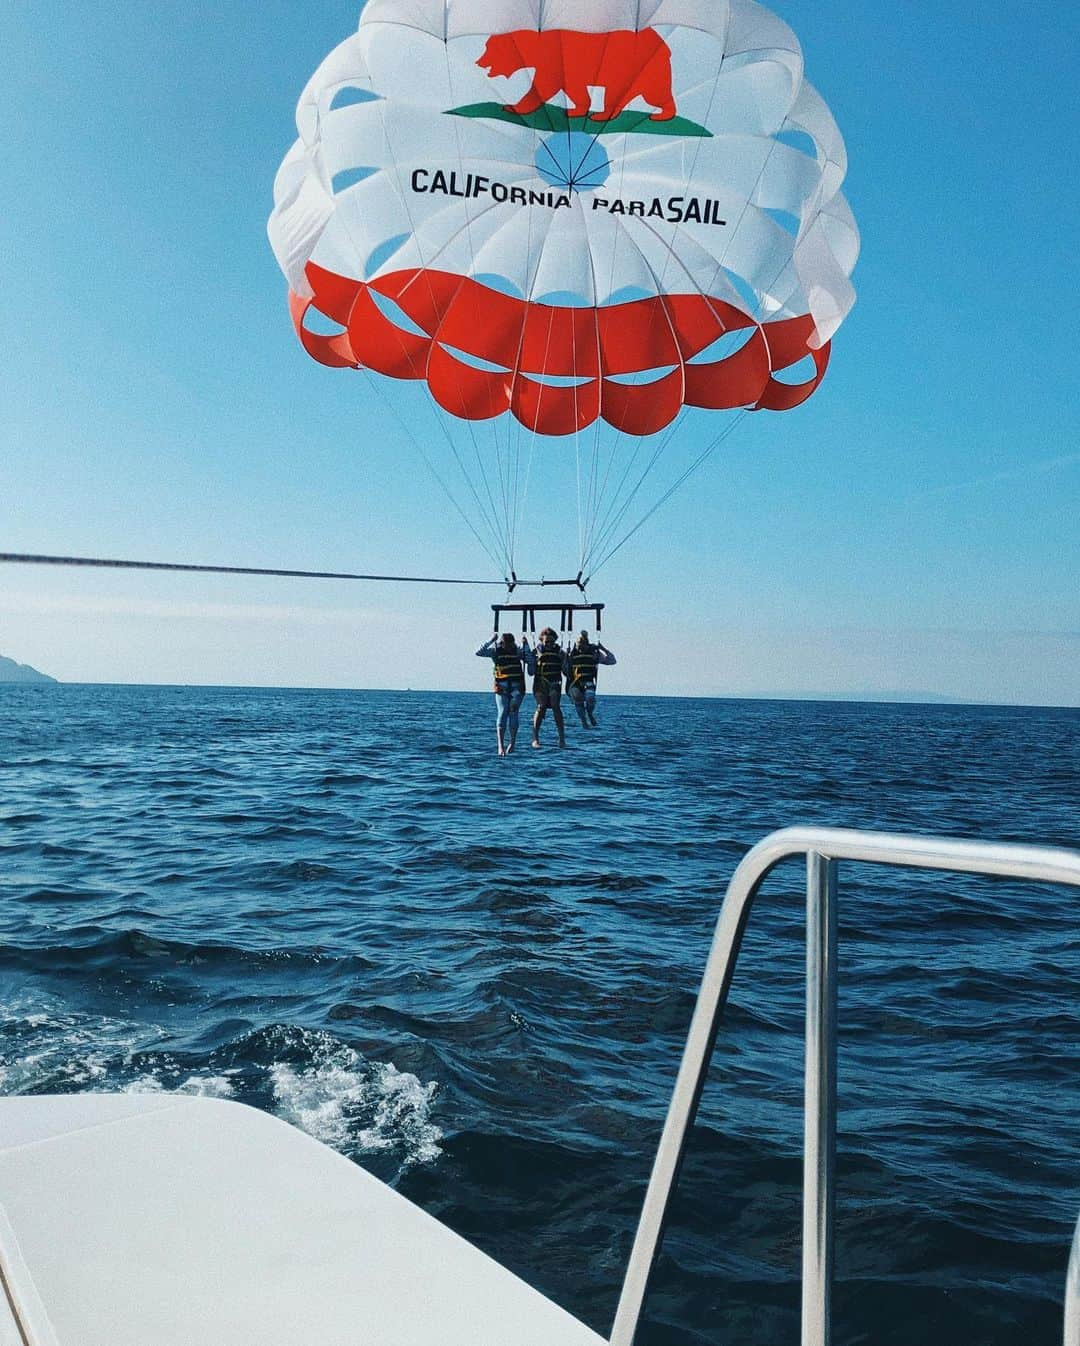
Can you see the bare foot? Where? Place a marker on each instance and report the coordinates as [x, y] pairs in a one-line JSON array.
[[562, 743], [535, 743]]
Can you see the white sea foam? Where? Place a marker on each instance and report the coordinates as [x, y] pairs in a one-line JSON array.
[[358, 1106], [403, 1110], [328, 1089], [56, 1050], [200, 1086]]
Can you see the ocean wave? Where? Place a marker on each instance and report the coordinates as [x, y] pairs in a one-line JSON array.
[[357, 1106], [413, 953], [199, 1086], [323, 1086]]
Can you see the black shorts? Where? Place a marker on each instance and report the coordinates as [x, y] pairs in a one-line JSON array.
[[548, 694]]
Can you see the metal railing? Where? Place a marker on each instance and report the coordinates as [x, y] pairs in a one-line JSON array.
[[823, 848], [1072, 1293]]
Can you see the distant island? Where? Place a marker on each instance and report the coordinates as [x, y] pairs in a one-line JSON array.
[[866, 695], [10, 671]]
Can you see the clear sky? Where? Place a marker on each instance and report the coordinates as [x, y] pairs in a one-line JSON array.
[[912, 528]]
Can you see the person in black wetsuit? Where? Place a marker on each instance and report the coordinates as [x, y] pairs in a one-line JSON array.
[[581, 665], [547, 685], [511, 661]]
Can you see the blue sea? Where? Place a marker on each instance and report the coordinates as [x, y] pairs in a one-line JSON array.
[[474, 976]]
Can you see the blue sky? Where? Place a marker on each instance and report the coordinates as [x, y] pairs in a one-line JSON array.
[[914, 527]]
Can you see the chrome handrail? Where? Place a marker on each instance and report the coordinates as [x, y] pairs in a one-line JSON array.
[[824, 848]]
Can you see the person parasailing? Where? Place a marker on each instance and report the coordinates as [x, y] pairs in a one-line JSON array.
[[547, 685], [581, 673], [511, 662]]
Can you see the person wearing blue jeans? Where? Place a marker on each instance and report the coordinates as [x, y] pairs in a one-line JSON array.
[[512, 661], [581, 668], [547, 685]]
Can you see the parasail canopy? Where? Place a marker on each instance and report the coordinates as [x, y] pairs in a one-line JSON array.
[[568, 214]]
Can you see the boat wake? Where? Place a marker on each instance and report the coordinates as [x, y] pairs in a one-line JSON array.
[[309, 1078]]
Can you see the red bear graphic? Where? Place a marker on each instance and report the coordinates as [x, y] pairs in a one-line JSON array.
[[625, 64]]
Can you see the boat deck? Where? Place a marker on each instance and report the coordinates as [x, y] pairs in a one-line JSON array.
[[168, 1221]]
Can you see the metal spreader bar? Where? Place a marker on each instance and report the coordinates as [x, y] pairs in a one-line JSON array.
[[567, 613], [579, 582]]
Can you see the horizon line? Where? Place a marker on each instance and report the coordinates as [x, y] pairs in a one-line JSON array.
[[866, 698]]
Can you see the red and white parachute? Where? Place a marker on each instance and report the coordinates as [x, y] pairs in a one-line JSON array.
[[560, 215]]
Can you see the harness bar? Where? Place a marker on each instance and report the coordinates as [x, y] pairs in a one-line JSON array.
[[578, 582], [566, 613]]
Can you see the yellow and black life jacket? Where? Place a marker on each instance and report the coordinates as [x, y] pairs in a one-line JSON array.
[[583, 666], [549, 665], [508, 667]]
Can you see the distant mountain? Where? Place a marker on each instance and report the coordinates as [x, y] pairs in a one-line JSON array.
[[10, 671], [893, 697]]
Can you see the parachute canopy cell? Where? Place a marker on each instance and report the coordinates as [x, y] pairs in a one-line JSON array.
[[568, 210]]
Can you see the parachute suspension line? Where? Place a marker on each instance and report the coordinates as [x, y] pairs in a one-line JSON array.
[[482, 469], [668, 435], [590, 493], [512, 520], [602, 546], [595, 541], [515, 427], [605, 528], [607, 554], [414, 438], [598, 421], [577, 436], [491, 522], [102, 563], [607, 524], [598, 529], [533, 429], [528, 475], [596, 500], [619, 505], [485, 478], [488, 521], [610, 524], [513, 441], [729, 429]]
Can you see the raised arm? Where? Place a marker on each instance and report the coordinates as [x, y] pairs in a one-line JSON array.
[[487, 651], [528, 657], [604, 655]]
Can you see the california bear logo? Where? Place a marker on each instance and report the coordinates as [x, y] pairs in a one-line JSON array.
[[626, 65]]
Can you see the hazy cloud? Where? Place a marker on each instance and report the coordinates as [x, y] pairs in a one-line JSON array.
[[1041, 468], [157, 610]]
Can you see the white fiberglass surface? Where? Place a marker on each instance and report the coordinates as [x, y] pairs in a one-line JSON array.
[[175, 1221]]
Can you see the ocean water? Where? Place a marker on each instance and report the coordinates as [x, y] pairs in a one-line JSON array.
[[474, 976]]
